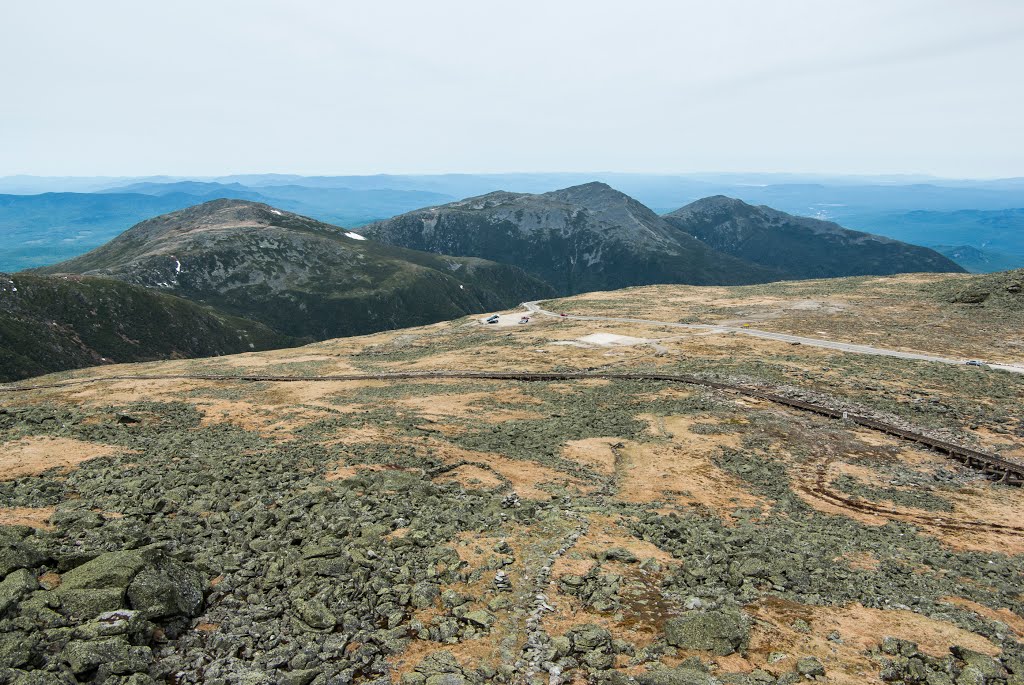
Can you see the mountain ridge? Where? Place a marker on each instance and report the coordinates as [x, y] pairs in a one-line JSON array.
[[586, 237], [802, 247], [299, 276]]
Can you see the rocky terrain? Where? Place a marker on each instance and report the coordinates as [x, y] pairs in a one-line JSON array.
[[174, 529], [300, 277], [799, 246], [52, 323]]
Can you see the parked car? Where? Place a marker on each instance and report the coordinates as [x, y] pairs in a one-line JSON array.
[[975, 362], [525, 319], [493, 319]]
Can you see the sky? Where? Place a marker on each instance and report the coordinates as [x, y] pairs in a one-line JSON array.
[[213, 87]]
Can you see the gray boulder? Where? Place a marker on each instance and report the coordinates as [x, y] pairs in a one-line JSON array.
[[14, 586], [441, 661], [721, 632], [989, 669], [424, 594], [589, 637], [146, 580], [315, 614], [810, 666], [676, 676], [446, 679], [115, 654], [16, 649], [166, 588]]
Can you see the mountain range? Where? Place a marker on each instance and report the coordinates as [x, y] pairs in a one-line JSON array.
[[587, 237], [593, 237], [232, 275], [798, 246], [301, 277], [51, 219]]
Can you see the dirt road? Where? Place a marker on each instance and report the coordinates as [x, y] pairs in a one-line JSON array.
[[535, 308]]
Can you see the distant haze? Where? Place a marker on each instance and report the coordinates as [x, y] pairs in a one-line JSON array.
[[325, 87]]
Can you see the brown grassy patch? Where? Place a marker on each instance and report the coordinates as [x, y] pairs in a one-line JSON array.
[[127, 391], [861, 561], [353, 470], [596, 453], [463, 405], [469, 654], [32, 456], [271, 421], [860, 628], [36, 517], [974, 524], [472, 477], [526, 477], [570, 613], [682, 472]]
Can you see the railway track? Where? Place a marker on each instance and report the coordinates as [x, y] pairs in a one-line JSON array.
[[996, 468]]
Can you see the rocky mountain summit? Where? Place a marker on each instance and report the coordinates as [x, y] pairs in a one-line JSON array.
[[579, 239], [800, 247], [301, 277]]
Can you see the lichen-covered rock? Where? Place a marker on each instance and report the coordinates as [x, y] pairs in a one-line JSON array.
[[14, 586], [413, 678], [87, 603], [619, 554], [810, 666], [970, 296], [166, 588], [16, 649], [146, 580], [938, 678], [589, 637], [484, 619], [441, 661], [424, 594], [676, 676], [446, 679], [17, 549], [116, 654], [111, 570], [989, 668], [721, 632], [599, 591], [315, 614]]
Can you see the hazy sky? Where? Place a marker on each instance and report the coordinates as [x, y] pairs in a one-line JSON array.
[[319, 87]]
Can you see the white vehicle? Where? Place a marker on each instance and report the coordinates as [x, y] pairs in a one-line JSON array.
[[525, 319], [975, 362]]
